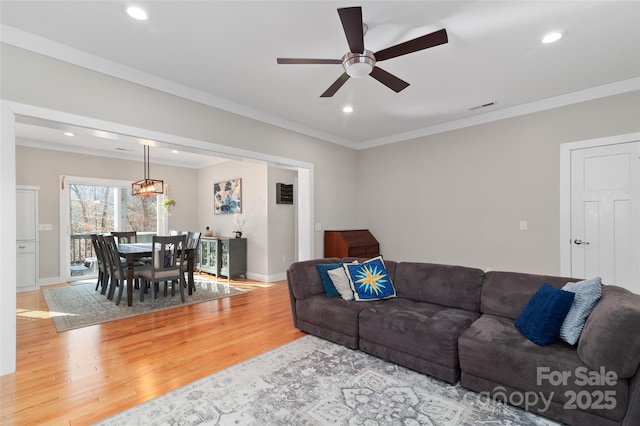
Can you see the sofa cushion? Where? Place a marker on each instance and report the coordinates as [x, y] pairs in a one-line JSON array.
[[507, 293], [331, 312], [423, 330], [370, 280], [493, 349], [587, 294], [542, 318], [446, 285], [611, 336]]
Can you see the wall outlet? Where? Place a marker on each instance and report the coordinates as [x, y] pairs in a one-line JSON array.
[[318, 227], [524, 225]]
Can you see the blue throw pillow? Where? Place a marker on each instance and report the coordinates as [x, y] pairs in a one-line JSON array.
[[327, 284], [370, 280], [542, 318], [587, 294]]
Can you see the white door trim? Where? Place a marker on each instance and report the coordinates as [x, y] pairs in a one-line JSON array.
[[565, 190]]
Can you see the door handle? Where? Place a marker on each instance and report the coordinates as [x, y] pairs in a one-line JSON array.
[[578, 242]]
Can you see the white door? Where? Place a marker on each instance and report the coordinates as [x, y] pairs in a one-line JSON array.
[[605, 214]]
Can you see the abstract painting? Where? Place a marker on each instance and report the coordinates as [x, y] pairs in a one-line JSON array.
[[227, 196]]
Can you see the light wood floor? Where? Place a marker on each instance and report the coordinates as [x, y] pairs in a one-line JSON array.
[[80, 376]]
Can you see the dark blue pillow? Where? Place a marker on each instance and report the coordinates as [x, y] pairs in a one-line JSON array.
[[542, 318], [327, 284]]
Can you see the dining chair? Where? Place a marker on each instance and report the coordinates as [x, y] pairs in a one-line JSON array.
[[193, 241], [110, 284], [126, 237], [118, 269], [103, 269], [167, 265]]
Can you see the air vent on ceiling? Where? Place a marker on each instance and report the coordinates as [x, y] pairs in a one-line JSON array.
[[482, 106]]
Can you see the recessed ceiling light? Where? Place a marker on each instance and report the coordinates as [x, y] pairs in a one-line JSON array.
[[137, 13], [347, 109], [174, 151], [552, 37], [68, 134]]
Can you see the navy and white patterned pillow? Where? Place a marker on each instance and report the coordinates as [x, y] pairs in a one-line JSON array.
[[370, 280], [587, 293]]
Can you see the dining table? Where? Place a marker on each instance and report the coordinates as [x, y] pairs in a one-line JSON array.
[[135, 251]]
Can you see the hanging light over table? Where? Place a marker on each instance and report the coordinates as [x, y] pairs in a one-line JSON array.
[[147, 187]]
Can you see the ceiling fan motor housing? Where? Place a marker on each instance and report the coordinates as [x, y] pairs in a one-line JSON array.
[[358, 64]]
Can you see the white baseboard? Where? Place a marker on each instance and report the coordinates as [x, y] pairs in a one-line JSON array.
[[267, 278], [51, 280]]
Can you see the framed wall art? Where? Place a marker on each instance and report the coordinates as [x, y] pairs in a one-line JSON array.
[[227, 197]]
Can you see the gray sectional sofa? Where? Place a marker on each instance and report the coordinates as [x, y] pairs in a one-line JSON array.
[[457, 323]]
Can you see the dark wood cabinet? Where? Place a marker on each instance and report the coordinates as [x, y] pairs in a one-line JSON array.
[[350, 243]]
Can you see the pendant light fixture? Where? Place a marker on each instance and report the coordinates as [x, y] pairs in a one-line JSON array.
[[147, 187]]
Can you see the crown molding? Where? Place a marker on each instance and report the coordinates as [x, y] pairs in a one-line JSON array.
[[83, 59]]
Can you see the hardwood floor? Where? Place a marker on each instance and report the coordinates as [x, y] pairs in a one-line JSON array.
[[81, 376]]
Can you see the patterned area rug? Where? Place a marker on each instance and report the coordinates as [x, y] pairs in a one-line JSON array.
[[80, 305], [314, 382]]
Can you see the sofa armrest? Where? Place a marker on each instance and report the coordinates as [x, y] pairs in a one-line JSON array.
[[632, 417], [610, 337]]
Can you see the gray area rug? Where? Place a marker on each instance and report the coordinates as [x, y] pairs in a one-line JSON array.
[[81, 306], [314, 382]]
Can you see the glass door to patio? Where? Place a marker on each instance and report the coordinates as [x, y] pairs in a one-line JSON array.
[[102, 206]]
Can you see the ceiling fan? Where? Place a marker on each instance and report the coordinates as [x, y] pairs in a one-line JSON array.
[[359, 62]]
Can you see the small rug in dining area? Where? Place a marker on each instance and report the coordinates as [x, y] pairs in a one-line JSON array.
[[311, 381], [80, 306]]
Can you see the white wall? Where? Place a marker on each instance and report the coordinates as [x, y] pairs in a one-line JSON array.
[[281, 222], [458, 197], [42, 167], [254, 209]]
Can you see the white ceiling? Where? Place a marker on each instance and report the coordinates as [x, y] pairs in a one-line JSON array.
[[223, 53]]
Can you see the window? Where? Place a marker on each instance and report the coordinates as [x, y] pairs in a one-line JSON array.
[[90, 206]]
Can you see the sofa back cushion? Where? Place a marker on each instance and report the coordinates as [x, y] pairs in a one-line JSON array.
[[445, 285], [506, 294], [304, 278], [611, 337]]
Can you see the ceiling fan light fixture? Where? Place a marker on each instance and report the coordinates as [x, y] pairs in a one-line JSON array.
[[358, 65]]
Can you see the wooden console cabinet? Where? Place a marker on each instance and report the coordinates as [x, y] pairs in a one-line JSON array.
[[350, 243]]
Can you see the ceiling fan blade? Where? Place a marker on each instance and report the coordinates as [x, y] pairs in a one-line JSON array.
[[426, 41], [351, 18], [335, 86], [389, 80], [308, 61]]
